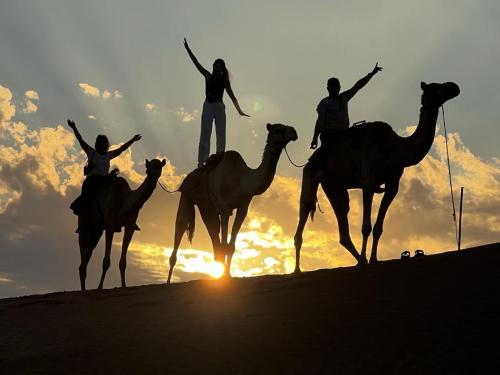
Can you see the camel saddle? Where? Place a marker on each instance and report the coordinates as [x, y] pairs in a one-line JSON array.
[[193, 179]]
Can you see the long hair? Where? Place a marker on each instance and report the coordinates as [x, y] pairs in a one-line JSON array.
[[101, 144], [224, 68]]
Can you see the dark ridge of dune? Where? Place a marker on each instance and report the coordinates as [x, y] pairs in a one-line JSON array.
[[438, 314]]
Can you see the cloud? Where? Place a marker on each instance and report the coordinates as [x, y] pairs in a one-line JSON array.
[[7, 108], [95, 92], [91, 117], [151, 107], [32, 94], [106, 94], [89, 90], [186, 116], [29, 107]]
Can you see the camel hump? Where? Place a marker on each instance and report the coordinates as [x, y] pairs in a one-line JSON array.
[[120, 185], [193, 179], [374, 130]]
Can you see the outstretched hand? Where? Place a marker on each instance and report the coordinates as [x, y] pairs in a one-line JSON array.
[[244, 114], [186, 45], [137, 137], [376, 69], [71, 124]]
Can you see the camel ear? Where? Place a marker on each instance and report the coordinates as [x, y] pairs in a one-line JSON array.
[[268, 126], [147, 163], [163, 162], [423, 85]]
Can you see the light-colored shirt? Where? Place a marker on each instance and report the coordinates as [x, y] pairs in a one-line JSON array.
[[100, 163], [336, 112]]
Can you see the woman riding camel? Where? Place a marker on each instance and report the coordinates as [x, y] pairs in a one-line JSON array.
[[213, 107], [97, 168]]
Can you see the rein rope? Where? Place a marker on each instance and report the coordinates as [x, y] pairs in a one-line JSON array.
[[454, 212], [168, 191], [291, 161]]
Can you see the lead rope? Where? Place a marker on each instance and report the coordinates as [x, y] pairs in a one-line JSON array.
[[302, 166], [168, 191], [291, 161], [454, 213]]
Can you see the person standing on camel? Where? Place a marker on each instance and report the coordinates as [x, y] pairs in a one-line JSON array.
[[213, 107], [333, 113]]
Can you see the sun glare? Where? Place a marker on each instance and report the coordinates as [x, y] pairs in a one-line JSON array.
[[215, 269]]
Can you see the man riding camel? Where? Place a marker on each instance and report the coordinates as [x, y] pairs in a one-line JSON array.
[[333, 113]]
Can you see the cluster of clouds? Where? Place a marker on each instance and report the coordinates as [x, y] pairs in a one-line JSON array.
[[92, 91], [95, 92], [150, 107], [183, 115], [30, 102], [186, 116], [41, 173]]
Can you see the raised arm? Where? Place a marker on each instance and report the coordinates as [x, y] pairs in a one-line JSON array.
[[85, 147], [362, 82], [196, 63], [233, 98], [114, 153]]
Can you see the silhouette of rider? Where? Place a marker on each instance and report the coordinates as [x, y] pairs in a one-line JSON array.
[[213, 107], [333, 113], [97, 168]]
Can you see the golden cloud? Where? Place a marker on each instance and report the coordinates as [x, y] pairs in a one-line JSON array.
[[150, 107], [29, 107], [7, 108], [89, 90], [32, 94], [186, 116]]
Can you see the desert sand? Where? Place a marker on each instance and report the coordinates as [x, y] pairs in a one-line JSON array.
[[436, 314]]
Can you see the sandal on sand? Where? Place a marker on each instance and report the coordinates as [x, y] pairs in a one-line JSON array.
[[405, 255]]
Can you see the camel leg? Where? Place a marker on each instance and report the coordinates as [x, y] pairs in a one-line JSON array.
[[366, 228], [127, 237], [224, 223], [241, 214], [390, 192], [308, 195], [339, 199], [185, 216], [212, 222], [87, 242], [107, 256]]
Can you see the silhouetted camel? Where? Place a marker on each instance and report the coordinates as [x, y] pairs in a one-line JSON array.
[[228, 186], [111, 210], [372, 155]]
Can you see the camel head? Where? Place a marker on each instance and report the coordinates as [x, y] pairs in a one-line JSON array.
[[437, 94], [154, 167], [280, 135]]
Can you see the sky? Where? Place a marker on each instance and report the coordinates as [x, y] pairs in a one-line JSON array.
[[119, 68]]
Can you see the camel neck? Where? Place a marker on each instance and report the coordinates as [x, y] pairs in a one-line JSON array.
[[416, 146], [261, 178], [142, 193]]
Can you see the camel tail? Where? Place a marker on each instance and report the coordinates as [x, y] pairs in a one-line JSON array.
[[190, 216], [313, 209]]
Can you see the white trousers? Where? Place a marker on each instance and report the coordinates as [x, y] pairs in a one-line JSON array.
[[215, 111]]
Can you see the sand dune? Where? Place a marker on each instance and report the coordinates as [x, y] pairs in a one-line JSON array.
[[437, 314]]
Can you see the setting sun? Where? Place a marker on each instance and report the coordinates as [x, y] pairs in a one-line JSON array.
[[215, 269]]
